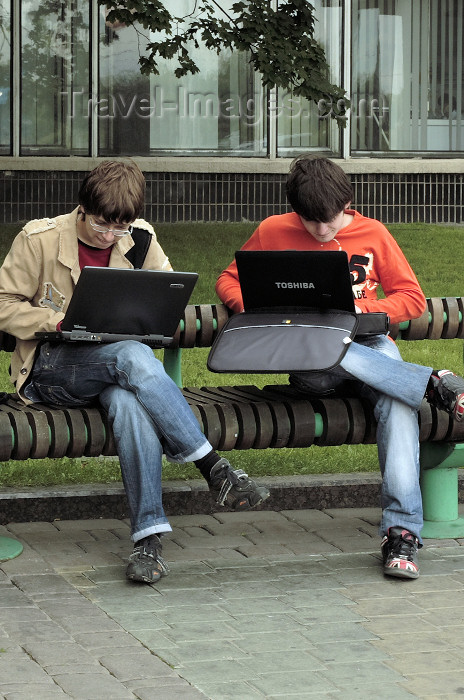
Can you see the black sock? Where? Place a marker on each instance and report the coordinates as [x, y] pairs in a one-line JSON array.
[[432, 381], [206, 463]]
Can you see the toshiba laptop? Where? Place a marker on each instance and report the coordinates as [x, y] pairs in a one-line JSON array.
[[282, 280], [112, 304]]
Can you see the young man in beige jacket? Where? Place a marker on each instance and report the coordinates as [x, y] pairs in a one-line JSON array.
[[147, 411]]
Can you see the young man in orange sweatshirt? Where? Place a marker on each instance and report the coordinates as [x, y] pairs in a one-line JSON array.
[[322, 219]]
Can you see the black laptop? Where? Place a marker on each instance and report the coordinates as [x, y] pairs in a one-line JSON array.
[[301, 281], [111, 304], [294, 279]]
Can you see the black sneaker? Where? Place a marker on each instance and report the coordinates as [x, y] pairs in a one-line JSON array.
[[447, 393], [232, 487], [399, 550], [145, 563]]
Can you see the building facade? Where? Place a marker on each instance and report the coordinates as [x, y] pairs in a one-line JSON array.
[[217, 145]]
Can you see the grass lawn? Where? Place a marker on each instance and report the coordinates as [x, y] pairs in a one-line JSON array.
[[434, 252]]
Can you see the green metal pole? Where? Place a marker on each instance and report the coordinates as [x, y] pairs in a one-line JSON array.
[[439, 489], [173, 365]]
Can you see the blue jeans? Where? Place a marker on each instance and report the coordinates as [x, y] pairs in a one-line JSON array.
[[396, 389], [147, 411]]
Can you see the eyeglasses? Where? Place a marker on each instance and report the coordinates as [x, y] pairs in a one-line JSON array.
[[117, 233]]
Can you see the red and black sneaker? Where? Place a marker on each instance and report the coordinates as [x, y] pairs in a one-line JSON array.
[[399, 551], [446, 392]]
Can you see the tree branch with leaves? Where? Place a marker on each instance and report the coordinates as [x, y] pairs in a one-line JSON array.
[[280, 42]]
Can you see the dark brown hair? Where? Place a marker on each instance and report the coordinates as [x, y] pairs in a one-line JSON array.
[[114, 191], [317, 188]]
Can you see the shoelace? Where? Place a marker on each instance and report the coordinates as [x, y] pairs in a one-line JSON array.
[[150, 549], [404, 547], [233, 477]]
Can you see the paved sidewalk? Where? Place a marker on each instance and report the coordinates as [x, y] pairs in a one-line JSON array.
[[288, 604]]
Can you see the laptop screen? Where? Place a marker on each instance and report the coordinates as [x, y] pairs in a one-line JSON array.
[[294, 279], [138, 302]]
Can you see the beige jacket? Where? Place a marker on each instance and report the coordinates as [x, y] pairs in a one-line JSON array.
[[38, 277]]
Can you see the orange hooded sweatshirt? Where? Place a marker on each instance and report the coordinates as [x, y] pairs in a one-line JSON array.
[[374, 257]]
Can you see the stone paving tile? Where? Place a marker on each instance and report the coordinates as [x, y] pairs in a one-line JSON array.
[[132, 621], [90, 525], [44, 586], [262, 519], [295, 660], [309, 519], [116, 638], [17, 614], [232, 691], [100, 621], [209, 613], [191, 631], [34, 630], [343, 633], [76, 607], [425, 642], [359, 543], [57, 653], [153, 639], [348, 675], [207, 541], [287, 685], [264, 548], [93, 686], [188, 693], [27, 528], [186, 554], [129, 665], [18, 665], [446, 617], [269, 642], [310, 598], [29, 691], [323, 615], [382, 626], [355, 652], [371, 691], [420, 663], [436, 684], [400, 607], [28, 561], [387, 587]]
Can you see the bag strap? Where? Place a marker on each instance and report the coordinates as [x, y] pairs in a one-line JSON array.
[[137, 254]]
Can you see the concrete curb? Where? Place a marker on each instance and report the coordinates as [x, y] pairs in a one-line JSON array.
[[184, 497], [190, 497]]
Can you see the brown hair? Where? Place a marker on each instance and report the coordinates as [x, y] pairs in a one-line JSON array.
[[115, 191], [317, 188]]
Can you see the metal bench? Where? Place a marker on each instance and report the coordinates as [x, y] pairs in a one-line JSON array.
[[245, 417]]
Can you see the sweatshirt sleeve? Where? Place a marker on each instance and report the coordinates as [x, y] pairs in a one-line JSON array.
[[404, 298]]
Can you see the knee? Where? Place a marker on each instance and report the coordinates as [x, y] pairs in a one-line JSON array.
[[131, 355], [119, 402], [395, 418], [132, 350]]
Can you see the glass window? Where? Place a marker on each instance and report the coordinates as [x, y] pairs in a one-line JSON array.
[[218, 111], [407, 63], [303, 125], [55, 77], [5, 72]]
